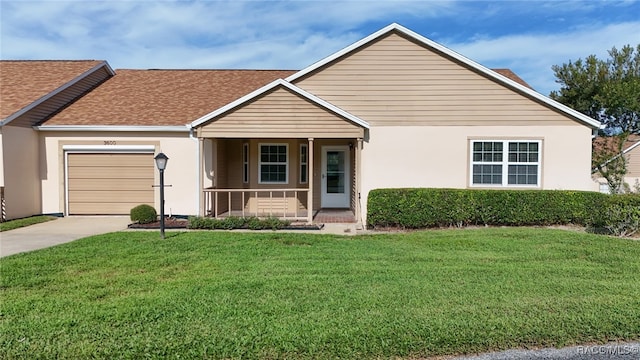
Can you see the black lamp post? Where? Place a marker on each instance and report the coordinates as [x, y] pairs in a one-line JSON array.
[[161, 164]]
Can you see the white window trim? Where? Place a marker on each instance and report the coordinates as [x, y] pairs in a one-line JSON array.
[[505, 164], [245, 163], [305, 163], [260, 145]]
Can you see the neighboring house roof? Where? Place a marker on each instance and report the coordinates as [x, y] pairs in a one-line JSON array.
[[161, 97], [488, 73], [26, 84], [512, 76], [611, 144], [280, 83]]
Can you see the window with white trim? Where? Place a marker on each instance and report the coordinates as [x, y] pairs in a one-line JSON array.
[[273, 167], [245, 163], [505, 163], [303, 163]]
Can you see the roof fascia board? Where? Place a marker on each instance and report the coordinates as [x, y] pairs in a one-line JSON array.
[[430, 43], [112, 128], [57, 91], [279, 82], [632, 147]]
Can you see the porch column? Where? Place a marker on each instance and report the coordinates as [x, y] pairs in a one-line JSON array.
[[358, 186], [310, 181], [201, 210]]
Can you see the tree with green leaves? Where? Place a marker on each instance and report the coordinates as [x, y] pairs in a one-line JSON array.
[[606, 90]]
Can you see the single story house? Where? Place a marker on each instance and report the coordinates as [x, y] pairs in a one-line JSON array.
[[394, 109]]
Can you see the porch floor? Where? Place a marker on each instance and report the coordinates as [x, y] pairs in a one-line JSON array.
[[334, 216], [321, 216]]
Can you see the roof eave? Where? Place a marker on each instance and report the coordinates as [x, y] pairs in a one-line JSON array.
[[585, 120], [114, 128]]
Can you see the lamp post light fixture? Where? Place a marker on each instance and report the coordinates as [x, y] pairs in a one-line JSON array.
[[161, 164]]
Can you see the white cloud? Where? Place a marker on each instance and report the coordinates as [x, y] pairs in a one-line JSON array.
[[532, 56]]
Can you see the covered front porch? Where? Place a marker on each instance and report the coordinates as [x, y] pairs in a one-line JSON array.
[[280, 151], [302, 180]]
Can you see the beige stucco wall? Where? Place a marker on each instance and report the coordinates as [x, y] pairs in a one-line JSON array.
[[181, 173], [438, 156], [21, 175]]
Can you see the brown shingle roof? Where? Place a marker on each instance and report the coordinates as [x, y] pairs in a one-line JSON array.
[[162, 97], [511, 75], [24, 81], [611, 143]]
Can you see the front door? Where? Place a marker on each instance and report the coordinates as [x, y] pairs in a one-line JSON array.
[[335, 177]]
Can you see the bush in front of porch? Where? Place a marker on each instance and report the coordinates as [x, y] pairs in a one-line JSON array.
[[235, 222]]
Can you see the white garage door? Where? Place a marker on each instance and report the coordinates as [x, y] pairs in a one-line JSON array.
[[106, 184]]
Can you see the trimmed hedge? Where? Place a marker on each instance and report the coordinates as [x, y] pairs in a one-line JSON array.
[[143, 214], [235, 222], [424, 208], [621, 216]]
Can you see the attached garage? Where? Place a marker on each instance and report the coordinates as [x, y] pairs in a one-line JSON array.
[[108, 183]]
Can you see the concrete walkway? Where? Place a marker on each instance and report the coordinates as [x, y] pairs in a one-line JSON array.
[[57, 232]]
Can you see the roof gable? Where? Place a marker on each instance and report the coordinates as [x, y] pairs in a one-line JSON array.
[[279, 83], [499, 77]]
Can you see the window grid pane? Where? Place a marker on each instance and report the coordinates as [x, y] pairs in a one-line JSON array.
[[273, 163], [489, 159], [303, 163], [487, 151]]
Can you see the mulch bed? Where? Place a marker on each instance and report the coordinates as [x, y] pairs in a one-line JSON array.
[[169, 223]]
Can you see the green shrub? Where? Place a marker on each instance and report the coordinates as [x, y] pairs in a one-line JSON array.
[[143, 214], [423, 208], [620, 215], [234, 222]]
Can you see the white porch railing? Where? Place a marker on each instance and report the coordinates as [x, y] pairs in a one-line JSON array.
[[281, 203]]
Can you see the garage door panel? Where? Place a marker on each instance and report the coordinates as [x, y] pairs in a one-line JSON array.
[[105, 208], [111, 172], [109, 183], [92, 196], [132, 160]]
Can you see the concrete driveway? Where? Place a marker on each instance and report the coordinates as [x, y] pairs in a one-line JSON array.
[[58, 231]]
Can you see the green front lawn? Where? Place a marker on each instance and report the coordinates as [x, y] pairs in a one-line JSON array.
[[275, 295], [14, 224]]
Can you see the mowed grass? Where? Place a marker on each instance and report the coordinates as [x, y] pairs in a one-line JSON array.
[[300, 296], [15, 224]]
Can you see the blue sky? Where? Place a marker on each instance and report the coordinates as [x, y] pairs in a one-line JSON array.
[[526, 36]]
